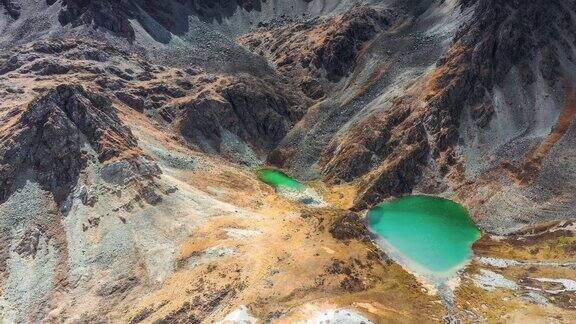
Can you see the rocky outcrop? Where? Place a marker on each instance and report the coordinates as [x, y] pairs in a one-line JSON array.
[[207, 7], [319, 50], [349, 226], [46, 68], [109, 14], [11, 7], [337, 52], [172, 15], [10, 65], [208, 11], [50, 134], [499, 37], [257, 112], [385, 152]]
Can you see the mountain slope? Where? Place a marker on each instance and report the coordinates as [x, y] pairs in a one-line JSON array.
[[130, 133], [461, 107]]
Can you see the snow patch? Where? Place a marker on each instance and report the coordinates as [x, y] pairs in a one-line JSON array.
[[569, 285], [307, 196], [239, 316], [497, 262], [489, 281], [238, 233], [337, 316], [535, 298]]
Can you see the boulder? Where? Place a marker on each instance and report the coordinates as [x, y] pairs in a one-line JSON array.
[[349, 226]]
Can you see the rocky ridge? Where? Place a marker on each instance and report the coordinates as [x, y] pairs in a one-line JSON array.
[[497, 40], [320, 51], [256, 112], [48, 137]]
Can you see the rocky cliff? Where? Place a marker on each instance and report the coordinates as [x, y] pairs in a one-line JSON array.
[[50, 134], [531, 43], [320, 50], [255, 112]]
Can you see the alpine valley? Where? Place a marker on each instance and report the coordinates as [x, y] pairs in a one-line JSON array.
[[287, 161]]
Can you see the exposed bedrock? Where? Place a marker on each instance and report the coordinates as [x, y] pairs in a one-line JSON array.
[[209, 11], [257, 112], [529, 37], [109, 14], [348, 226], [321, 49], [386, 152], [11, 7], [172, 15], [49, 136]]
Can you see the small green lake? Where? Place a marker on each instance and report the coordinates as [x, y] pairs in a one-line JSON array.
[[289, 187], [278, 179], [431, 235]]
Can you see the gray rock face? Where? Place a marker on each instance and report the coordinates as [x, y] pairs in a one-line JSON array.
[[206, 10], [49, 134], [338, 54], [172, 15], [257, 112], [499, 37], [123, 171], [48, 68], [13, 63], [132, 101], [109, 14], [321, 50], [11, 8]]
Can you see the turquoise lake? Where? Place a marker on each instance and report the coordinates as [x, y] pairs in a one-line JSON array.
[[431, 234], [278, 179]]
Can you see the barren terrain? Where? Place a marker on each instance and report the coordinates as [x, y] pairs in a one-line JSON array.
[[131, 133]]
